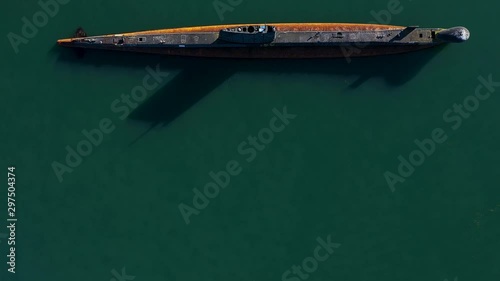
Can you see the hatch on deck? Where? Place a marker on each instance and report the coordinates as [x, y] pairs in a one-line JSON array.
[[118, 40]]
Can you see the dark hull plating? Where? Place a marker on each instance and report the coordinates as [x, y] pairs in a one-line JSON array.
[[284, 41], [279, 52]]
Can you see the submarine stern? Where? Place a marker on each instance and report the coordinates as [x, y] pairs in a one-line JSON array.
[[458, 34]]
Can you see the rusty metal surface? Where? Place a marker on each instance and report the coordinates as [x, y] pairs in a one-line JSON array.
[[279, 27], [291, 41]]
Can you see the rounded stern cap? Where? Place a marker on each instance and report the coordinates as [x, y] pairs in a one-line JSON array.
[[454, 35]]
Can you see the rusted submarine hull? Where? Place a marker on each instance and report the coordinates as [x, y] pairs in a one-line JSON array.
[[293, 40]]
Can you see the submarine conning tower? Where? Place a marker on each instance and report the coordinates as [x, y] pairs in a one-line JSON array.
[[454, 35]]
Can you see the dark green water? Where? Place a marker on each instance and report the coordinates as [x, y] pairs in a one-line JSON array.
[[322, 175]]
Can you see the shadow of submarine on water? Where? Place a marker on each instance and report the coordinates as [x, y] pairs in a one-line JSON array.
[[200, 77], [197, 77]]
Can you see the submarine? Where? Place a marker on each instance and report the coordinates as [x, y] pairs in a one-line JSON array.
[[281, 40]]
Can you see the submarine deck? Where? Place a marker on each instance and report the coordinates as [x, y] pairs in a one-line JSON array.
[[402, 36]]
